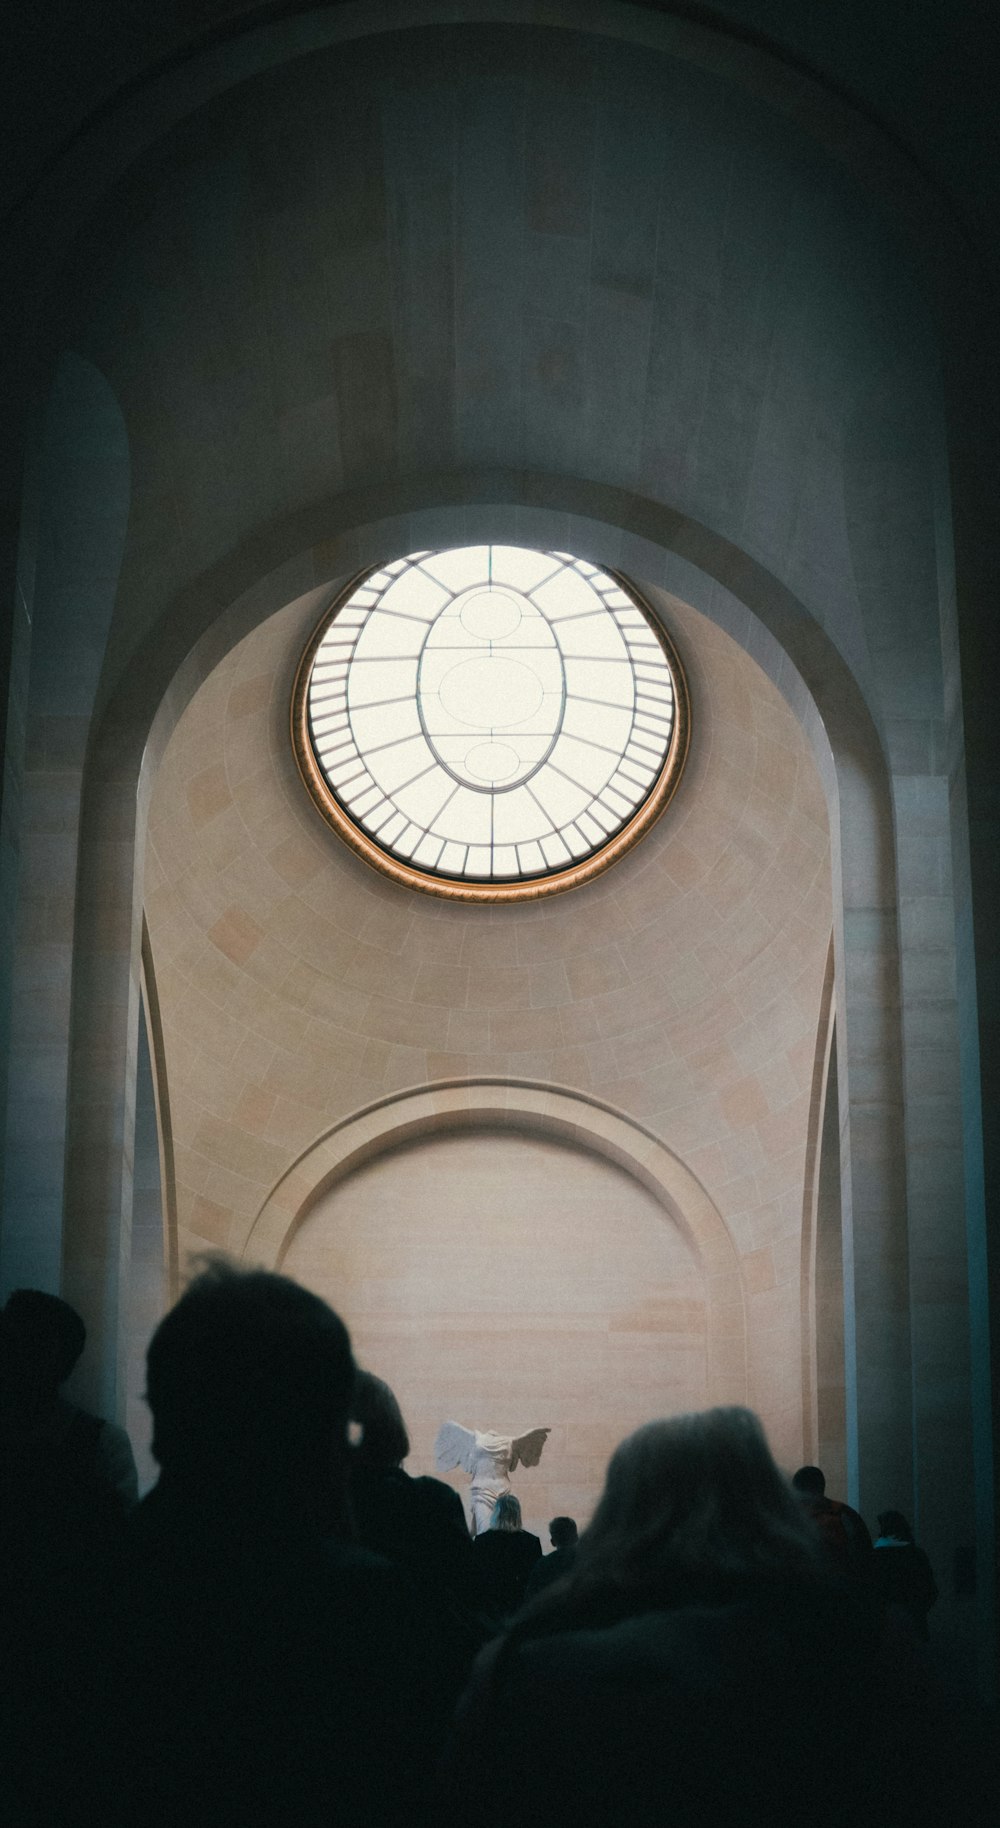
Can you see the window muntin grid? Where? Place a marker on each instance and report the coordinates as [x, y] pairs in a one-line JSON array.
[[490, 714]]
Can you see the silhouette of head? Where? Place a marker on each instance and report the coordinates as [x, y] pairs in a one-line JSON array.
[[250, 1379], [893, 1523], [562, 1531], [810, 1481], [384, 1440], [695, 1497], [41, 1338], [506, 1513]]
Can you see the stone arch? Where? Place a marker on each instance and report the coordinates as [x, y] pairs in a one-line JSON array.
[[192, 76], [670, 555], [554, 1111]]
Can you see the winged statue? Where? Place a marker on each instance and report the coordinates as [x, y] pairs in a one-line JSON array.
[[489, 1459]]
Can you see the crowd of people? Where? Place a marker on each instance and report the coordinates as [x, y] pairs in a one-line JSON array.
[[291, 1629]]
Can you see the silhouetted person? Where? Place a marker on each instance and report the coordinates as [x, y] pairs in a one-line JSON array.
[[698, 1665], [564, 1536], [66, 1481], [901, 1572], [504, 1557], [418, 1523], [841, 1533], [44, 1438], [260, 1668]]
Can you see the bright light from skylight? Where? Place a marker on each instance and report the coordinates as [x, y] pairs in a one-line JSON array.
[[490, 714]]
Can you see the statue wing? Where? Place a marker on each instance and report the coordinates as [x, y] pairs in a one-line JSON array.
[[455, 1446], [527, 1449]]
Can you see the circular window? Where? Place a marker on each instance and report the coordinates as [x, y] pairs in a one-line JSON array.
[[490, 722]]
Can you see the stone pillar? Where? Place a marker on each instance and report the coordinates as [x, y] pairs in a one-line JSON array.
[[83, 493]]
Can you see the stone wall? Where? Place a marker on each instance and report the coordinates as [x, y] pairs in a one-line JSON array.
[[296, 985], [511, 1282], [626, 291]]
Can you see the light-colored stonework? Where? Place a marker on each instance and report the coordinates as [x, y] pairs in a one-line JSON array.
[[685, 989], [330, 290], [626, 1301]]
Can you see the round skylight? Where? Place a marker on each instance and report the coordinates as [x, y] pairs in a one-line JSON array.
[[490, 721]]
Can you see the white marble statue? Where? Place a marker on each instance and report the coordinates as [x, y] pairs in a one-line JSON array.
[[489, 1459]]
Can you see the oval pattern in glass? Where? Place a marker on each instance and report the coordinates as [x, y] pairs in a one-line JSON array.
[[490, 716]]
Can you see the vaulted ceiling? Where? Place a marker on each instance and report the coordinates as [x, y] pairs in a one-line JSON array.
[[925, 71]]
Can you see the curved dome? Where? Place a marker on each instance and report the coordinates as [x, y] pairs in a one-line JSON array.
[[490, 720]]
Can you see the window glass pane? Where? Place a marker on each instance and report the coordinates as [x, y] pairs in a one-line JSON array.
[[491, 712]]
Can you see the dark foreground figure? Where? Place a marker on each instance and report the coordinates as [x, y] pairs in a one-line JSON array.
[[902, 1575], [841, 1533], [67, 1482], [564, 1537], [505, 1555], [252, 1666], [699, 1666], [419, 1525]]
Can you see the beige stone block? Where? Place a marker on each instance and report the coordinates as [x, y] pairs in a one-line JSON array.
[[745, 1102], [207, 794], [249, 696], [505, 987], [295, 860], [680, 1314], [548, 987], [438, 938], [406, 1068], [390, 975], [545, 938], [727, 1361], [758, 1270], [787, 1255], [251, 1055], [443, 985], [406, 1024], [209, 1221], [326, 1000], [445, 1065], [571, 1067], [784, 1130], [254, 1108], [579, 1023], [684, 865], [773, 1311], [597, 972], [302, 1075], [270, 1021], [467, 1030], [234, 1148], [236, 934], [521, 1030], [490, 942]]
